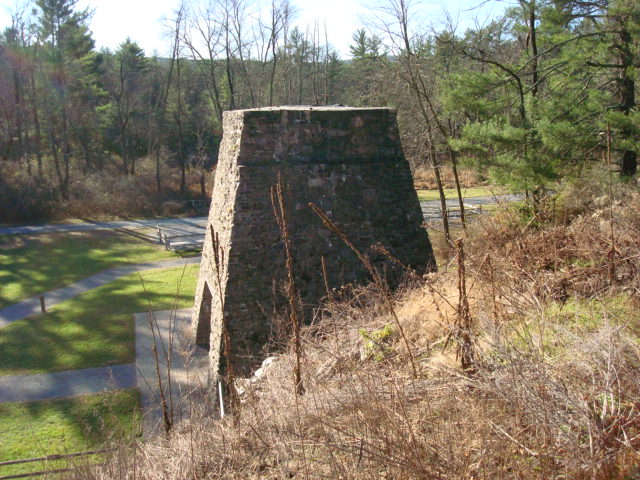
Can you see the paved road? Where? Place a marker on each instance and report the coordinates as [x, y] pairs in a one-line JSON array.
[[193, 225], [431, 209], [174, 226], [48, 386], [31, 305]]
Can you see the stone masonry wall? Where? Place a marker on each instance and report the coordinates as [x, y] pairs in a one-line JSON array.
[[348, 162]]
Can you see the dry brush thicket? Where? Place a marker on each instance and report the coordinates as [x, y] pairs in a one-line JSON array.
[[424, 178], [97, 194], [553, 393]]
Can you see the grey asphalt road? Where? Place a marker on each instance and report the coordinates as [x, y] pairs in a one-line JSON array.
[[431, 210], [31, 305], [173, 226], [194, 225]]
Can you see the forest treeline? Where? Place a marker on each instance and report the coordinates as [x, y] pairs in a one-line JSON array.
[[527, 98]]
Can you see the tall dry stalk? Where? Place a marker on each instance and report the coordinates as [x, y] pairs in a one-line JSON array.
[[611, 255], [325, 279], [229, 374], [464, 320], [167, 412], [377, 280], [165, 391], [461, 330], [280, 213]]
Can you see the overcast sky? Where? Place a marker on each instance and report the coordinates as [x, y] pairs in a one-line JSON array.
[[142, 20]]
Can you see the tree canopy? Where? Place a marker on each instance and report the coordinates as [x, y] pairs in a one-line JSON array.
[[528, 97]]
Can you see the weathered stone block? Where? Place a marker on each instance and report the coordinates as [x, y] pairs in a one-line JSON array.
[[349, 162]]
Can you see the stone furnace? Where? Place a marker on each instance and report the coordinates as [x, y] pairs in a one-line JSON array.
[[347, 161]]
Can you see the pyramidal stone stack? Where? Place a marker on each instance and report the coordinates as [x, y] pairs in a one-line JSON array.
[[348, 162]]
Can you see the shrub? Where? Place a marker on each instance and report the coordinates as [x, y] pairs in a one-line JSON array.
[[95, 195], [25, 198]]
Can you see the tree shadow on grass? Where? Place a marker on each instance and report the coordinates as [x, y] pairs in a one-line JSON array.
[[47, 261], [93, 329]]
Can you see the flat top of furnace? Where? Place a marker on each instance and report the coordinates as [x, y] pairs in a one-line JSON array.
[[313, 108]]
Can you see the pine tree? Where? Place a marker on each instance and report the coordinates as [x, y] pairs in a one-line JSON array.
[[70, 73], [127, 85]]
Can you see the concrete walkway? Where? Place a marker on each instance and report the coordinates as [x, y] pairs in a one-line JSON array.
[[189, 370], [175, 225], [189, 367], [31, 305], [189, 384], [48, 386]]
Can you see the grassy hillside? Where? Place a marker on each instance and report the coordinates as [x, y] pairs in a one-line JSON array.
[[542, 308]]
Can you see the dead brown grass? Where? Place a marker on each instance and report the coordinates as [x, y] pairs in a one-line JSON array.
[[424, 178], [98, 194], [553, 395], [558, 260]]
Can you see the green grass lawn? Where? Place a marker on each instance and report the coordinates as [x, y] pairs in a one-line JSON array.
[[34, 264], [37, 429], [427, 195], [95, 328]]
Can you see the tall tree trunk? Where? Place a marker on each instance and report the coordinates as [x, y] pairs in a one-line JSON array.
[[203, 190], [626, 97], [37, 140], [17, 86], [158, 177], [229, 71], [273, 40], [165, 97], [66, 154], [28, 152], [326, 66], [533, 42], [181, 159], [55, 153], [456, 179], [66, 151], [443, 201], [429, 114], [124, 146]]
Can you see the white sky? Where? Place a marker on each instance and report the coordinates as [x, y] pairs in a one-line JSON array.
[[142, 20]]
